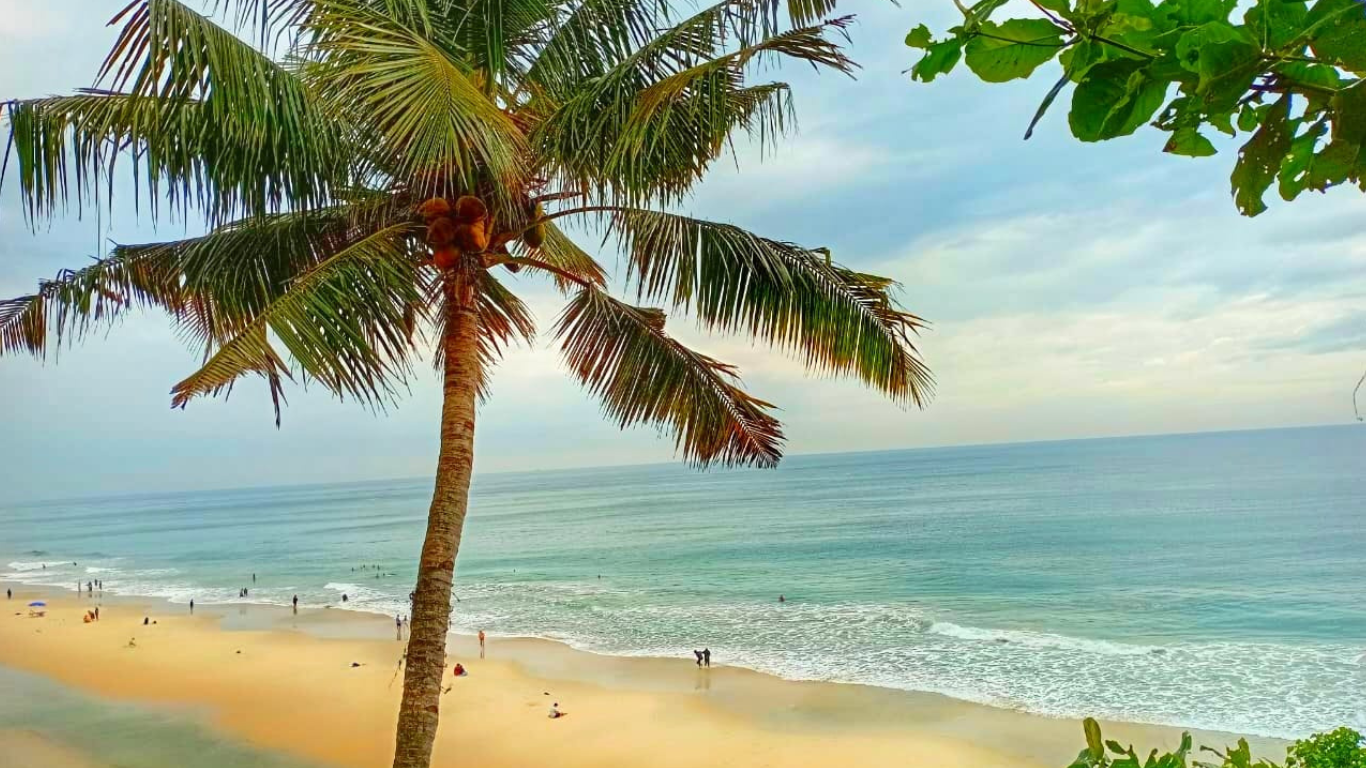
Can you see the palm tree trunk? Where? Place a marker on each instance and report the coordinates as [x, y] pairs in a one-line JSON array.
[[417, 715]]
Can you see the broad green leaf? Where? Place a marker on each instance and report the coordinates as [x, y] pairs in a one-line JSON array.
[[1215, 51], [1012, 50], [1260, 159], [1350, 125], [1192, 13], [939, 59], [1275, 23], [919, 37], [1114, 99], [1250, 117], [1294, 174], [1188, 141], [1339, 33]]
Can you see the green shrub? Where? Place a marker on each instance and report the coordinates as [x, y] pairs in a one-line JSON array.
[[1342, 748]]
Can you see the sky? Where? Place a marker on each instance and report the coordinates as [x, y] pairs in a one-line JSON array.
[[1074, 290]]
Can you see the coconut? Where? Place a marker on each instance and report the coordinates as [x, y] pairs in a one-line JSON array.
[[445, 258], [469, 209], [472, 238], [441, 232], [535, 236], [434, 208]]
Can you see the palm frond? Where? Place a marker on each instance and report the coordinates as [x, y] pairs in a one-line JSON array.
[[838, 321], [77, 301], [622, 354], [344, 324], [213, 119], [422, 106], [593, 37], [561, 252], [648, 131]]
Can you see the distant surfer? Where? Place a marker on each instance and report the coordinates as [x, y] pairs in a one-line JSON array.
[[782, 599]]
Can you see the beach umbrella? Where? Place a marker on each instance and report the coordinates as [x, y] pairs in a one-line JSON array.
[[37, 604]]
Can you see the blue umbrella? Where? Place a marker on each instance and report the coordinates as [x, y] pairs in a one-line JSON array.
[[37, 604]]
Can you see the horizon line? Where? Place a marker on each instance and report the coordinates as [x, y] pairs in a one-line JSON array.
[[593, 467]]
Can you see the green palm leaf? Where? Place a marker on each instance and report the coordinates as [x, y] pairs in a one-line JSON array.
[[649, 128], [421, 106], [622, 355], [279, 146], [837, 320], [343, 323]]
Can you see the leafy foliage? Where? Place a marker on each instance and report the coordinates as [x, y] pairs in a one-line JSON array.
[[1342, 748], [1286, 74], [310, 136]]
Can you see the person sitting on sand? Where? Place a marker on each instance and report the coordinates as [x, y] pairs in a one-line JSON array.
[[459, 670], [555, 712]]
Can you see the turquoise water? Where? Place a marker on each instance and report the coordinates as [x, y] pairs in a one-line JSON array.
[[1214, 581], [119, 734]]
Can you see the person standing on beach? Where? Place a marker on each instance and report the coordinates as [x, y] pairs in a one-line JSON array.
[[398, 626], [481, 643], [9, 594], [97, 613], [296, 603], [191, 606], [706, 657]]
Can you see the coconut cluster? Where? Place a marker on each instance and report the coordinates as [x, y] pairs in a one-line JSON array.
[[452, 229]]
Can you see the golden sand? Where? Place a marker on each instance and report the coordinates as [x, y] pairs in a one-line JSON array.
[[292, 687]]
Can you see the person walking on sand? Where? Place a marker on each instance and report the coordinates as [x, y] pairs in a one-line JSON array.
[[9, 594], [481, 643], [698, 654], [97, 613], [706, 657], [296, 603], [398, 627], [191, 606]]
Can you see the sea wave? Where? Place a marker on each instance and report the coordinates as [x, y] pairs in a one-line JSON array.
[[1041, 640]]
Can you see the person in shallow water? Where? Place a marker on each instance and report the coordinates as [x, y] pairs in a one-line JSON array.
[[343, 597]]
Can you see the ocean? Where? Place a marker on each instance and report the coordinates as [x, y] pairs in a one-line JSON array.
[[1213, 581]]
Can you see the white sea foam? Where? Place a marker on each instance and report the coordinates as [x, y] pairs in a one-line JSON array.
[[1040, 640]]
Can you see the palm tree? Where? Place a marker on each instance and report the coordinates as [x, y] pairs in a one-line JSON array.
[[364, 167]]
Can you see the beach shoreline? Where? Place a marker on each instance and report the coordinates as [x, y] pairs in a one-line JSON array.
[[281, 681]]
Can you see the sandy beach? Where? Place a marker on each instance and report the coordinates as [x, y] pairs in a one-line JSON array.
[[288, 683]]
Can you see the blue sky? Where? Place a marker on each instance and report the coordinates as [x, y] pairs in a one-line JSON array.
[[1075, 290]]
